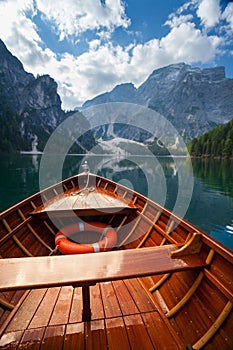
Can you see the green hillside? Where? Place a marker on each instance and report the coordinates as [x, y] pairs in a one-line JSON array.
[[215, 143]]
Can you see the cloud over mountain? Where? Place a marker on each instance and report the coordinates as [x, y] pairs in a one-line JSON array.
[[89, 46]]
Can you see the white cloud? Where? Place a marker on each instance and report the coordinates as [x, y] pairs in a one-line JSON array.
[[228, 15], [13, 20], [78, 16], [189, 44], [175, 21], [104, 64], [94, 44], [209, 12]]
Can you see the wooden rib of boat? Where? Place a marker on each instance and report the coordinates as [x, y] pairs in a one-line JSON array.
[[165, 284]]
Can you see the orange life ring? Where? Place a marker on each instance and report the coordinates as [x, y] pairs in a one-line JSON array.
[[65, 246]]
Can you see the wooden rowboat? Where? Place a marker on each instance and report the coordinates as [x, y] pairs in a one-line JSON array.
[[164, 284]]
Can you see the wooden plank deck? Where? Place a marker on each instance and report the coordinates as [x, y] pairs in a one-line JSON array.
[[123, 324], [93, 201]]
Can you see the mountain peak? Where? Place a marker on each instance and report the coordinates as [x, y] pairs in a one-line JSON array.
[[122, 93], [193, 99]]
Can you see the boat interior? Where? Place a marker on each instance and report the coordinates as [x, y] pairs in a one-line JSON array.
[[165, 285]]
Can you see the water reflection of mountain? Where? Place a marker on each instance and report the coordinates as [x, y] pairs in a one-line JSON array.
[[160, 179], [216, 173], [154, 177]]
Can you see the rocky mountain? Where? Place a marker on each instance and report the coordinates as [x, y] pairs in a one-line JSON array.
[[194, 100], [30, 107]]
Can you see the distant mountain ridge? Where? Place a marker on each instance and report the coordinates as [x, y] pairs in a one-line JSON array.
[[194, 100]]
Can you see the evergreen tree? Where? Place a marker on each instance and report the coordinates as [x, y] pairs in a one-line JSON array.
[[217, 142]]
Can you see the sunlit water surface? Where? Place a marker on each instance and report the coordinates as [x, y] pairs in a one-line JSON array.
[[210, 206]]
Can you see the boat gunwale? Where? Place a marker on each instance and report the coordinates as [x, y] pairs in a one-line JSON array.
[[207, 239]]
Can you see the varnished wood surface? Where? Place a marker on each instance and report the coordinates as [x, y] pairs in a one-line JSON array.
[[91, 268], [93, 201], [123, 315], [52, 317]]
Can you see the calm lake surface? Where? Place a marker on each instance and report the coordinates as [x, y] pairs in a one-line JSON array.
[[207, 200]]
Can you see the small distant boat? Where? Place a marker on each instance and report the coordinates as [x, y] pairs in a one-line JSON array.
[[90, 264]]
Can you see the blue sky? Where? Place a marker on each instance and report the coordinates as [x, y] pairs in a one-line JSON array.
[[90, 46]]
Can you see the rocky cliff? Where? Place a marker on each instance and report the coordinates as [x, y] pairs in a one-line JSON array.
[[192, 99], [30, 107]]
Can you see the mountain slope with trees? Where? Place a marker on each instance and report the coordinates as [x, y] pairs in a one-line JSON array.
[[215, 143], [194, 100]]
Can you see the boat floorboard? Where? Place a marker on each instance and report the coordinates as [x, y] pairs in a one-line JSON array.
[[123, 314]]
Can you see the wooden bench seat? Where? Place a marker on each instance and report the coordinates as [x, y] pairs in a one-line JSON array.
[[86, 270]]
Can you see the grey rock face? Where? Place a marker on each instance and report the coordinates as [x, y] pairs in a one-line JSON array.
[[34, 100], [192, 99]]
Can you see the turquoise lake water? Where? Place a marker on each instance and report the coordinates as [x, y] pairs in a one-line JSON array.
[[202, 192]]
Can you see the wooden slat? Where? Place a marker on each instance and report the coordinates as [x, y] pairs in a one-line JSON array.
[[13, 231], [224, 289], [126, 301], [53, 338], [186, 297], [149, 231], [164, 234], [62, 270], [33, 231], [141, 298], [65, 187], [45, 309], [12, 234], [97, 310], [31, 339], [137, 333], [187, 316], [33, 204], [168, 232], [6, 304], [21, 246], [10, 340], [62, 308], [95, 335], [214, 328], [160, 282], [93, 202], [160, 335], [116, 334], [153, 225], [26, 311], [133, 228], [74, 338], [38, 237], [13, 312], [49, 227], [192, 288], [110, 301], [76, 306]]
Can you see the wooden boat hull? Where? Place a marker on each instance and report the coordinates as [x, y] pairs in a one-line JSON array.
[[166, 284]]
